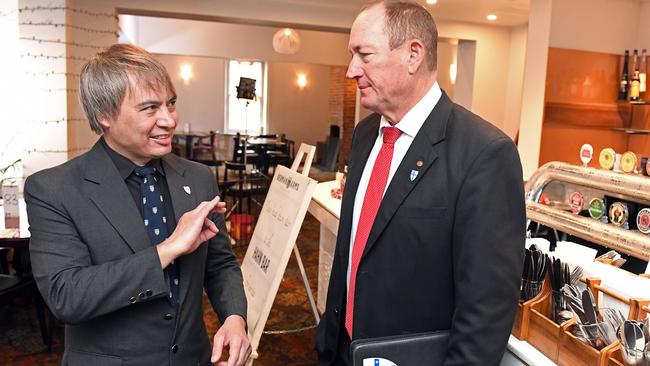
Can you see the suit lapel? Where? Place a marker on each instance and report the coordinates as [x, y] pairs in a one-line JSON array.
[[366, 140], [422, 150], [182, 201], [109, 193]]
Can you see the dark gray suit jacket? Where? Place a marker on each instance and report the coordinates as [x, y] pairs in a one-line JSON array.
[[446, 248], [98, 272]]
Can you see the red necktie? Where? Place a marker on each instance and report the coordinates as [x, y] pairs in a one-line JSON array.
[[371, 202]]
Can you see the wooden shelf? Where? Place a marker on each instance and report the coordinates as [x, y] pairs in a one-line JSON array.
[[631, 131]]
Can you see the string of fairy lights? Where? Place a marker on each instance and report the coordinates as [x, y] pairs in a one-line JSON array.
[[59, 41], [58, 121], [41, 21], [62, 8]]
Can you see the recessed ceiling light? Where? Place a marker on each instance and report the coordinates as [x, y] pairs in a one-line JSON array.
[[491, 17], [431, 2]]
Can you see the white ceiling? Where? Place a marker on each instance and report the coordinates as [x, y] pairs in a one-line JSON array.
[[335, 14], [508, 12]]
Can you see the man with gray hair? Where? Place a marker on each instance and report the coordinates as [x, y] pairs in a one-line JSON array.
[[125, 237], [431, 231]]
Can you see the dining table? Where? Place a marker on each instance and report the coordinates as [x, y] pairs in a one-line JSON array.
[[189, 137], [262, 145]]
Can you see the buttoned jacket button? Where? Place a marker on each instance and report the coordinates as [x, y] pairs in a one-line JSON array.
[[148, 292], [175, 348], [141, 295], [133, 300], [168, 316]]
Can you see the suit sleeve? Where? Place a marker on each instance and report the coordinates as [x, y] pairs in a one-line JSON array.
[[224, 283], [488, 250], [76, 289]]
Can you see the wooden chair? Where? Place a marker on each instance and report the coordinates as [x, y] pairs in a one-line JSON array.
[[204, 151], [239, 185], [282, 157], [238, 151]]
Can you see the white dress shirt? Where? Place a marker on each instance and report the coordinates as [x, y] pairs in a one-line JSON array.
[[409, 125]]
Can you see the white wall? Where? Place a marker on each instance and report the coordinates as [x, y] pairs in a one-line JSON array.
[[532, 105], [201, 38], [201, 101], [466, 61], [447, 55], [515, 80], [301, 114], [491, 67]]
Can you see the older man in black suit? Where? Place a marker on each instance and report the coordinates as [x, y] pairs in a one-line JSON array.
[[125, 237], [431, 235]]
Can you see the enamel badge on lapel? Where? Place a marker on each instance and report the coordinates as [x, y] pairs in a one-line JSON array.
[[187, 189], [414, 174]]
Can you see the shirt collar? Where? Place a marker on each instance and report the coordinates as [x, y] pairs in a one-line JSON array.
[[125, 166], [414, 118]]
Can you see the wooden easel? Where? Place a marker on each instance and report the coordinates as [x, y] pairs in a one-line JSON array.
[[273, 240]]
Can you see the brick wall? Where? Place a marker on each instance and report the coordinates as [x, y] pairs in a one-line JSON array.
[[342, 101]]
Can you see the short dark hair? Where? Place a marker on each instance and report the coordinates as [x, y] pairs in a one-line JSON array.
[[109, 74]]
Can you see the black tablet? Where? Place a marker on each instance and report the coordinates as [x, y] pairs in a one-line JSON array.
[[401, 350]]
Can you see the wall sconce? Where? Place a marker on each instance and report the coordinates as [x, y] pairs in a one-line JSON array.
[[286, 41], [186, 73], [452, 73], [302, 80]]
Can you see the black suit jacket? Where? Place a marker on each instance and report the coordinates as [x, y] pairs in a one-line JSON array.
[[446, 249], [97, 270]]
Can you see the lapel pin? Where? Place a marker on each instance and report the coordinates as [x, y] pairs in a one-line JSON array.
[[419, 163], [414, 174], [187, 189]]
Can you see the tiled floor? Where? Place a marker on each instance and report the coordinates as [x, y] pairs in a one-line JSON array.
[[21, 345]]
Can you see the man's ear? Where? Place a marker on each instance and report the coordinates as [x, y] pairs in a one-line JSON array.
[[416, 55], [103, 121]]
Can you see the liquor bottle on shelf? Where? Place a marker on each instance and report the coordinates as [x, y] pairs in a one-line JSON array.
[[635, 83], [642, 72], [635, 86], [623, 87]]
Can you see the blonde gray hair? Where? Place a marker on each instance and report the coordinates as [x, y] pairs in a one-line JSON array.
[[106, 78], [404, 21]]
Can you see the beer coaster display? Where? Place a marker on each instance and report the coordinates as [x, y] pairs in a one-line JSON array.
[[642, 166], [597, 208], [618, 213], [628, 162], [586, 154], [607, 158], [643, 220], [575, 202]]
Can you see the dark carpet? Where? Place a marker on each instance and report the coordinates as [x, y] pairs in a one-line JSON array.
[[21, 343]]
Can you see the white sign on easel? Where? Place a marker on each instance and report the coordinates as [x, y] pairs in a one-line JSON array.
[[273, 240]]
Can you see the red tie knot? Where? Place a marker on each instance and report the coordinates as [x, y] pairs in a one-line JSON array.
[[391, 134]]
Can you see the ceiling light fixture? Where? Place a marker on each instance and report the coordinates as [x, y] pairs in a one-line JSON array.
[[432, 2], [491, 17], [286, 41]]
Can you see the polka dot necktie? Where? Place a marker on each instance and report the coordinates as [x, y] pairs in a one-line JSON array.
[[371, 203], [155, 221]]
